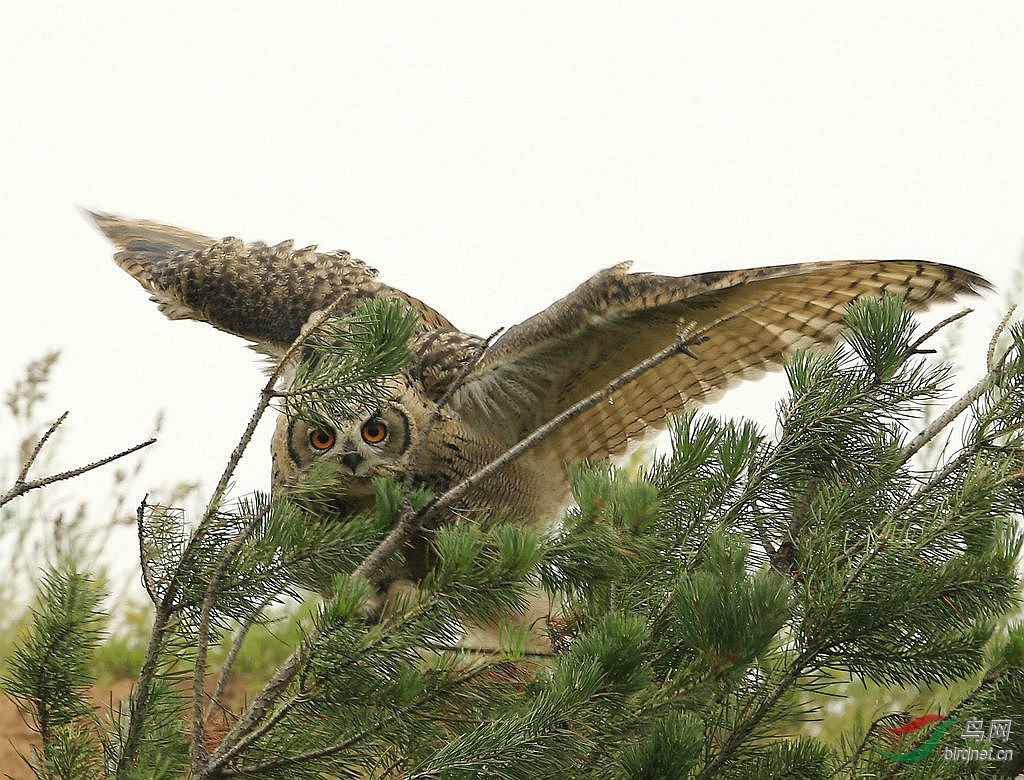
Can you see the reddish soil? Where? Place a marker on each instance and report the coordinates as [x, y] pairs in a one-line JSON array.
[[15, 735]]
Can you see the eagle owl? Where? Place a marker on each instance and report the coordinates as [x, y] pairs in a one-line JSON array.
[[536, 370]]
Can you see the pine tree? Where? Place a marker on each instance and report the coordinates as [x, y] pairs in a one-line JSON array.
[[716, 606]]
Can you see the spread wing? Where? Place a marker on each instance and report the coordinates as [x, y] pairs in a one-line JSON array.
[[615, 320], [259, 292]]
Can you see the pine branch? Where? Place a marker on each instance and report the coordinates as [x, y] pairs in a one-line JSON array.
[[852, 538], [246, 730], [915, 348], [991, 377], [140, 695], [739, 733], [993, 342], [943, 421], [198, 747], [21, 486], [166, 607], [50, 669], [470, 674]]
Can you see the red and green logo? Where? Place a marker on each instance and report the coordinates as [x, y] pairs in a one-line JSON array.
[[925, 748]]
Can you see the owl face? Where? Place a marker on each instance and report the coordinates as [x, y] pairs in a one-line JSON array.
[[376, 444]]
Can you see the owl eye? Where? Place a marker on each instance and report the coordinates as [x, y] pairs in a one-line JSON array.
[[322, 439], [374, 431]]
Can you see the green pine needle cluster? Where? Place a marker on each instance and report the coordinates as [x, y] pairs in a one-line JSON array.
[[346, 361], [49, 674]]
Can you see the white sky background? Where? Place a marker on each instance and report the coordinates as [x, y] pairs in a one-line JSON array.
[[486, 158]]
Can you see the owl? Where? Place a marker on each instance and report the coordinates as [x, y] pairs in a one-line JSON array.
[[463, 402]]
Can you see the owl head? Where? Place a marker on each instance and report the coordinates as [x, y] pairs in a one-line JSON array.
[[353, 449]]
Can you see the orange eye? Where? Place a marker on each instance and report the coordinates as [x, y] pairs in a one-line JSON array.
[[374, 431], [321, 439]]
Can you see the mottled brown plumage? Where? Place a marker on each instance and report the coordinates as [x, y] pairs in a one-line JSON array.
[[536, 370], [259, 292]]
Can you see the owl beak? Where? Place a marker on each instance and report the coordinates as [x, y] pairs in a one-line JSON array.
[[352, 460]]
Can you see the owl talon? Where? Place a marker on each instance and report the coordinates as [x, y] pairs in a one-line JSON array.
[[370, 614], [373, 609]]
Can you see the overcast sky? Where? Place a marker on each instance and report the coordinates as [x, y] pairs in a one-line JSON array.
[[485, 157]]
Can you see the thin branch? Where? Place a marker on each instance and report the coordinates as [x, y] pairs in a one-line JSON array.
[[139, 702], [316, 390], [250, 735], [852, 760], [440, 647], [471, 673], [937, 479], [229, 661], [21, 486], [947, 417], [266, 396], [94, 465], [743, 730], [990, 362], [936, 328], [244, 733], [147, 582], [198, 749], [881, 542], [39, 446], [995, 368]]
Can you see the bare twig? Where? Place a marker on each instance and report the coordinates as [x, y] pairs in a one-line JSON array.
[[936, 328], [229, 661], [147, 582], [39, 446], [991, 358], [22, 486], [954, 411]]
